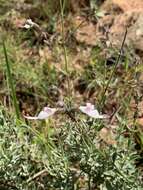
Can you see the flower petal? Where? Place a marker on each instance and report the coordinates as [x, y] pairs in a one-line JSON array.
[[94, 114], [91, 111], [89, 106], [26, 26], [49, 110], [30, 22], [44, 114], [83, 109]]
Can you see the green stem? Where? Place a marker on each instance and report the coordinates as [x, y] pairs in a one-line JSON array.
[[89, 182], [11, 84], [62, 5]]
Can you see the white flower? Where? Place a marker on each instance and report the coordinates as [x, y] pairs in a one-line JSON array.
[[91, 111], [28, 24], [44, 114]]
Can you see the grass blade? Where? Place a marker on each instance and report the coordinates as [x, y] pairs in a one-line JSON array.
[[11, 85]]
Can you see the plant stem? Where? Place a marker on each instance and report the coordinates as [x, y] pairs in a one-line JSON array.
[[62, 5], [89, 182], [11, 84], [113, 71]]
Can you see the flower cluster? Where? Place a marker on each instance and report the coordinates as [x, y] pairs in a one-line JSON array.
[[89, 110]]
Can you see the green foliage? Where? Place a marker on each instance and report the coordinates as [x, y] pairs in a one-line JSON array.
[[74, 160]]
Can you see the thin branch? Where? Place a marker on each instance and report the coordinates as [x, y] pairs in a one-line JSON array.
[[37, 175], [113, 71]]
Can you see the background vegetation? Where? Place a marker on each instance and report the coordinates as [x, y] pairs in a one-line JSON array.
[[51, 66]]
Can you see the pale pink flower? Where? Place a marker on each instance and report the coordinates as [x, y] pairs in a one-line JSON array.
[[91, 111], [44, 114]]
